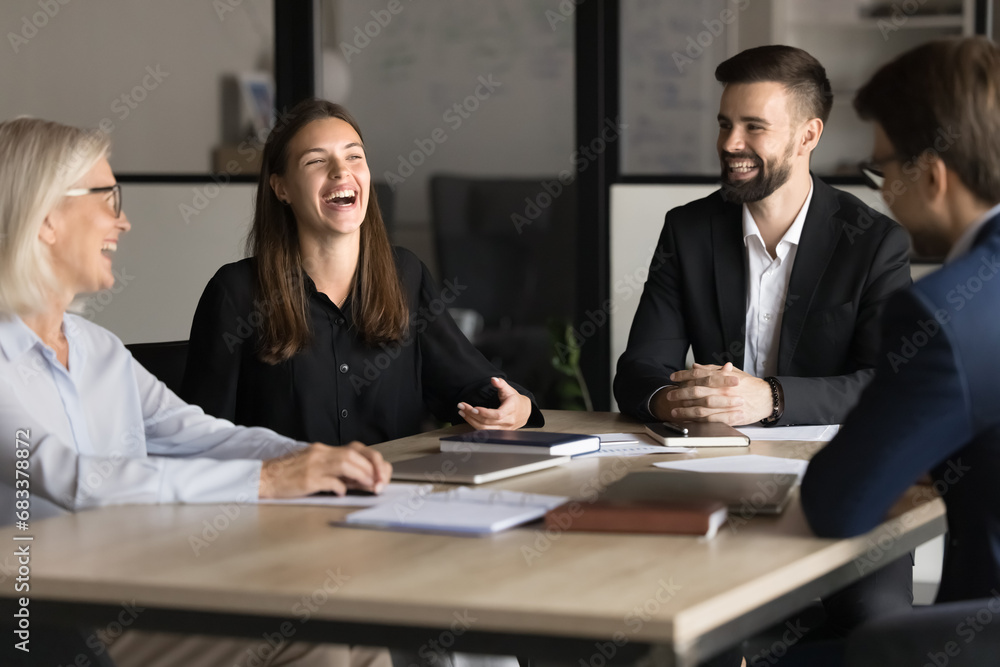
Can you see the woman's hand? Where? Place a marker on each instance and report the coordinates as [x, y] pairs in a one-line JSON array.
[[320, 467], [514, 410]]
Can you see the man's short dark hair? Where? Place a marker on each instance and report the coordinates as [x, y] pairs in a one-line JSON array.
[[943, 98], [800, 73]]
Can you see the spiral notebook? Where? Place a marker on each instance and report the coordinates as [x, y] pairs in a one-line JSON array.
[[462, 510]]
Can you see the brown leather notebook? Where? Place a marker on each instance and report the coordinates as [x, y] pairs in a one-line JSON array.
[[612, 516]]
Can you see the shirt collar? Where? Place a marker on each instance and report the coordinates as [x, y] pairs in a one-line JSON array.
[[968, 237], [16, 338], [794, 233]]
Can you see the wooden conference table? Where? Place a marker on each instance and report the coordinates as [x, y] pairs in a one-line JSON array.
[[260, 570]]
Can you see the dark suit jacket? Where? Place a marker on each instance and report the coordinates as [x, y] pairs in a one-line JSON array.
[[934, 406], [849, 260]]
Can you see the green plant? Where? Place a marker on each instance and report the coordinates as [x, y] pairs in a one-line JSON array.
[[571, 387]]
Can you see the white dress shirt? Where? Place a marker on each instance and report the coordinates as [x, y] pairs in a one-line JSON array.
[[107, 432], [767, 291]]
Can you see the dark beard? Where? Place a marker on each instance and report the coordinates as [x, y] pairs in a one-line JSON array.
[[760, 186]]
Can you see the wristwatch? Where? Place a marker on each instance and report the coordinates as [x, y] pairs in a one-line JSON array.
[[777, 402]]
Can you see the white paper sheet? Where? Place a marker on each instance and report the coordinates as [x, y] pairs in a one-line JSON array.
[[748, 463], [392, 491], [822, 433]]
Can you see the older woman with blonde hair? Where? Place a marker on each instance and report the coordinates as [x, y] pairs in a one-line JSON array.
[[97, 428]]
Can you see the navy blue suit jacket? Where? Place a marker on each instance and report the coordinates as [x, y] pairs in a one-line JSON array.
[[934, 405]]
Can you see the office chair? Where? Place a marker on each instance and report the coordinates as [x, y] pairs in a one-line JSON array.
[[957, 634], [164, 360], [511, 244]]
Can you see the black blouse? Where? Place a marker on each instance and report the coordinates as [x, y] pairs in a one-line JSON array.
[[338, 389]]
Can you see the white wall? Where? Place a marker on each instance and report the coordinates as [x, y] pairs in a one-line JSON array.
[[637, 213], [78, 65], [164, 262]]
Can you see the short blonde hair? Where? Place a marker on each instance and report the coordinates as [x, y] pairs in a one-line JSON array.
[[39, 161]]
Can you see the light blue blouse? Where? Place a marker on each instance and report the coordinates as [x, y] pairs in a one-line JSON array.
[[107, 432]]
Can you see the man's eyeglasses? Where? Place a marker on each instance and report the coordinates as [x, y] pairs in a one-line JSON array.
[[871, 170], [115, 190]]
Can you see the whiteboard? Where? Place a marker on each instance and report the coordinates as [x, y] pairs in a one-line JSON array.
[[405, 81]]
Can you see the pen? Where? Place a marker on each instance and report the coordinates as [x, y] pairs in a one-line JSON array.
[[674, 427]]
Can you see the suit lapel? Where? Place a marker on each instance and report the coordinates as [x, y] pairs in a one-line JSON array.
[[816, 246], [730, 279]]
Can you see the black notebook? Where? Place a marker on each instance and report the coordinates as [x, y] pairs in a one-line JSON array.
[[522, 442]]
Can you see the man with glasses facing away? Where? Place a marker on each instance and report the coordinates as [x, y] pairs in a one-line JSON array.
[[934, 405], [776, 281]]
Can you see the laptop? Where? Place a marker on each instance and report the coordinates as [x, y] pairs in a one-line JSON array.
[[761, 493], [472, 467]]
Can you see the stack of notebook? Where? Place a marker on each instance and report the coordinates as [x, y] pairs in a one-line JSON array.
[[486, 456]]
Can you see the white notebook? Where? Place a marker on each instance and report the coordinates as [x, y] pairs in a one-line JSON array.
[[462, 510]]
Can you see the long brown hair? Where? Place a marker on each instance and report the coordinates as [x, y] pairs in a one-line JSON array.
[[378, 311]]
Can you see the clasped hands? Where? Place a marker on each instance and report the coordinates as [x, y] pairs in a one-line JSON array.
[[711, 393]]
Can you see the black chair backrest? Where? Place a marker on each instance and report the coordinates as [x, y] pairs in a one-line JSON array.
[[511, 241], [164, 360]]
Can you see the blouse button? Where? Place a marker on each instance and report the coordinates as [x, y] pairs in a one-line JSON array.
[[343, 413], [340, 321], [344, 368]]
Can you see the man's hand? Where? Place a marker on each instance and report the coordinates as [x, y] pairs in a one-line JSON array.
[[320, 467], [513, 413], [710, 393]]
